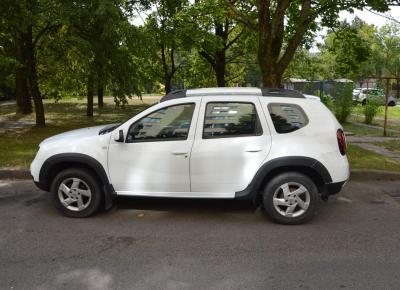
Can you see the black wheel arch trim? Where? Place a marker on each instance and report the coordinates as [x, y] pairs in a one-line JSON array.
[[287, 163], [48, 167]]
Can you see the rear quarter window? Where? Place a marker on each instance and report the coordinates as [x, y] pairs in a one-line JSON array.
[[287, 117]]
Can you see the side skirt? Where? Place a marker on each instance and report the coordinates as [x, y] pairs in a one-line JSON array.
[[227, 195]]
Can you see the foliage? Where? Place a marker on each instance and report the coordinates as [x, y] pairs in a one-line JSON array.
[[348, 48], [327, 100], [371, 109], [343, 102]]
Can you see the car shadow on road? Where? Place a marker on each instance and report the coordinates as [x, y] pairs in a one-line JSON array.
[[177, 204]]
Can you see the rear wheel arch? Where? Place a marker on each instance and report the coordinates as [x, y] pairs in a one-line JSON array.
[[307, 166]]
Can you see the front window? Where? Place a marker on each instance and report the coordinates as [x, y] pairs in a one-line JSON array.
[[167, 124]]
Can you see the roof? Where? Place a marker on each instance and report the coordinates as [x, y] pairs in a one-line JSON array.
[[266, 92]]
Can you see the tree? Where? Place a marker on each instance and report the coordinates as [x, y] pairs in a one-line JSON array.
[[28, 21], [101, 35], [214, 35], [282, 26], [165, 39], [347, 50], [389, 39]]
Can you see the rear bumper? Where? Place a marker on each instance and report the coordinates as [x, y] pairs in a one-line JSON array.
[[334, 187]]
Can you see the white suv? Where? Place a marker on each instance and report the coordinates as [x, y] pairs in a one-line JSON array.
[[274, 147]]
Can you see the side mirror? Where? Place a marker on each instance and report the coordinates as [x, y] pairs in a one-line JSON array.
[[119, 136]]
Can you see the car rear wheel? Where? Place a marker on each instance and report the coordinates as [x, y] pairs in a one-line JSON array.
[[76, 193], [392, 104], [290, 198]]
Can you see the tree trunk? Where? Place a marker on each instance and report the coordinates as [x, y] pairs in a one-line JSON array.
[[100, 96], [220, 74], [89, 108], [167, 83], [24, 104], [271, 80], [33, 79]]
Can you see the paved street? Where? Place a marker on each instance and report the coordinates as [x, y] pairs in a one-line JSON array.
[[354, 242]]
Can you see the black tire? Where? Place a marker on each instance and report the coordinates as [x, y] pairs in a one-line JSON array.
[[87, 181], [364, 102], [293, 179], [392, 104]]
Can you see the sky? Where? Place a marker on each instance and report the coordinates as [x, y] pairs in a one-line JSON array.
[[370, 17], [365, 15]]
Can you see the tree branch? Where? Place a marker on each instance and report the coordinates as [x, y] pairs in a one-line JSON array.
[[43, 31], [304, 21], [240, 16], [209, 58]]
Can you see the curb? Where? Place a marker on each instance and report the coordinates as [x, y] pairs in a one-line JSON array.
[[15, 174], [355, 175], [376, 175]]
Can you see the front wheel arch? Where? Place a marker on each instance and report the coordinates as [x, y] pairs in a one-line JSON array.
[[56, 163]]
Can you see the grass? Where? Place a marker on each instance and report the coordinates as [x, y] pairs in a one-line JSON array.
[[393, 112], [362, 130], [393, 145], [393, 117], [361, 158], [19, 146]]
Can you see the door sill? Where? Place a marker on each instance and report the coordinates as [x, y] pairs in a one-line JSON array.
[[229, 195]]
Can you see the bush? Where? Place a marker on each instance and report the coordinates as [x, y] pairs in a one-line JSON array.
[[370, 109], [327, 101], [343, 103]]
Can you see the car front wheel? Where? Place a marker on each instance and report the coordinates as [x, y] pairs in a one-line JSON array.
[[76, 193], [291, 198]]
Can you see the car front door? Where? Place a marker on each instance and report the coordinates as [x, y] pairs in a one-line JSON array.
[[154, 158], [231, 143]]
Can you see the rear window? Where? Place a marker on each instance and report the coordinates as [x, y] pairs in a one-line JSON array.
[[287, 117], [230, 119]]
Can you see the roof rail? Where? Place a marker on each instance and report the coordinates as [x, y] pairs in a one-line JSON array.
[[174, 95], [266, 92], [285, 93]]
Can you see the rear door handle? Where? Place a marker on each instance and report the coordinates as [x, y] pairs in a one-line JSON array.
[[253, 150], [179, 153]]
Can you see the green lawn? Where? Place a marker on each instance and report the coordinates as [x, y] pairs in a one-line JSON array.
[[19, 146], [393, 117], [358, 130], [361, 158], [390, 145], [393, 112]]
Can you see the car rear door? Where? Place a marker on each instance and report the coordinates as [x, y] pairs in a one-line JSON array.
[[232, 141]]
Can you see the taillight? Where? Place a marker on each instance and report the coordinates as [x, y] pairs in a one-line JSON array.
[[341, 140]]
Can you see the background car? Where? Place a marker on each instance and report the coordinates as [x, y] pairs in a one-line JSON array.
[[361, 95]]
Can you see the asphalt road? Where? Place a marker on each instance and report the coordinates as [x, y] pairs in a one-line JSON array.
[[354, 243]]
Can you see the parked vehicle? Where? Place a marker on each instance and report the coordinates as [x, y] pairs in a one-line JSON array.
[[274, 147], [361, 95]]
